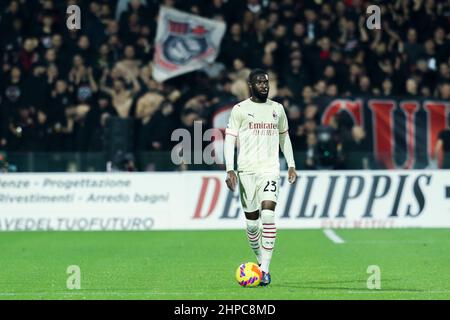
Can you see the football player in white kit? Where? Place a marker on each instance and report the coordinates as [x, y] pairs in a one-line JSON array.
[[261, 127]]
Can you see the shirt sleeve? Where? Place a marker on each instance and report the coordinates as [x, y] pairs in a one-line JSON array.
[[283, 126], [234, 123], [230, 142]]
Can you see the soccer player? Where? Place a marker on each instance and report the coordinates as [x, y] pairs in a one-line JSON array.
[[261, 126]]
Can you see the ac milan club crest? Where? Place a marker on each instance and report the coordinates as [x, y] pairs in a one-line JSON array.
[[184, 42]]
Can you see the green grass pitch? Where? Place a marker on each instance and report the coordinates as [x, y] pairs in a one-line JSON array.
[[414, 263]]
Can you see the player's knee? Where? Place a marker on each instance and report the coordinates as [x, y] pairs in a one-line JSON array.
[[252, 215], [269, 205], [267, 216]]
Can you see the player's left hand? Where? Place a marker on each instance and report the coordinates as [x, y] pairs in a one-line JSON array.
[[292, 175]]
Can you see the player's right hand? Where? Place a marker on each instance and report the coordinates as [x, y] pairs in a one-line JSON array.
[[231, 180]]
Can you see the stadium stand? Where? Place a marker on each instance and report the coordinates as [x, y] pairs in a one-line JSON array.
[[60, 87]]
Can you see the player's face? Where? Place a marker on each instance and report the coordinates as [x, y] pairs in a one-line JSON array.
[[260, 86]]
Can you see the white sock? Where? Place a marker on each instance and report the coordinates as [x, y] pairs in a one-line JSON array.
[[254, 236], [269, 234]]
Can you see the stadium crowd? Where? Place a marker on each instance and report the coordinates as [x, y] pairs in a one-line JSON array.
[[59, 87]]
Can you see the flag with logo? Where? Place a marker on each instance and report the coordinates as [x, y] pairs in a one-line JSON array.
[[184, 43]]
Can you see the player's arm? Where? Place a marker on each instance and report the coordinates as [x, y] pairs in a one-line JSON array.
[[437, 149], [286, 146], [231, 133]]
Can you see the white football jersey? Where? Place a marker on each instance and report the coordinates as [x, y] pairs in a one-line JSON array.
[[257, 127]]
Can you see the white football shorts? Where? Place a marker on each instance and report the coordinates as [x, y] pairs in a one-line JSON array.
[[255, 188]]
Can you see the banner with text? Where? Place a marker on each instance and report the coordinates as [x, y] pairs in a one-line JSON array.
[[402, 132], [200, 200]]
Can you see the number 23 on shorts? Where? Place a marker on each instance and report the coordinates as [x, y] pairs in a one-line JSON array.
[[270, 186]]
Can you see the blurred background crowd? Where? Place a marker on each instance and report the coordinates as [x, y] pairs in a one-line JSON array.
[[60, 87]]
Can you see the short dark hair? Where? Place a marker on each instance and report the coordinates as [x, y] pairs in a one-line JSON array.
[[254, 73]]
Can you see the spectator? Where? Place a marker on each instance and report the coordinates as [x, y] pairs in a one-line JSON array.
[[235, 46], [36, 86], [156, 133], [387, 88], [444, 73], [59, 129], [332, 91], [364, 86], [122, 98], [442, 45], [96, 120], [295, 120], [296, 76], [129, 63], [311, 152], [413, 49], [411, 87], [13, 89], [444, 91], [25, 130], [217, 8], [94, 27], [307, 95], [85, 50], [28, 56], [239, 72], [356, 150]]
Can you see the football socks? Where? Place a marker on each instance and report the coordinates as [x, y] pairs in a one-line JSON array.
[[254, 236], [269, 234]]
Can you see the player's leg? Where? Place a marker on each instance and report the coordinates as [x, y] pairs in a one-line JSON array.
[[268, 195], [250, 205], [254, 232], [269, 233]]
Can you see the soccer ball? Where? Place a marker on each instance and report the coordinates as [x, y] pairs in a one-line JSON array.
[[248, 274]]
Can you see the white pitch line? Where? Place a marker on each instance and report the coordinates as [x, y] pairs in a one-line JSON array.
[[112, 294], [333, 236], [98, 293]]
